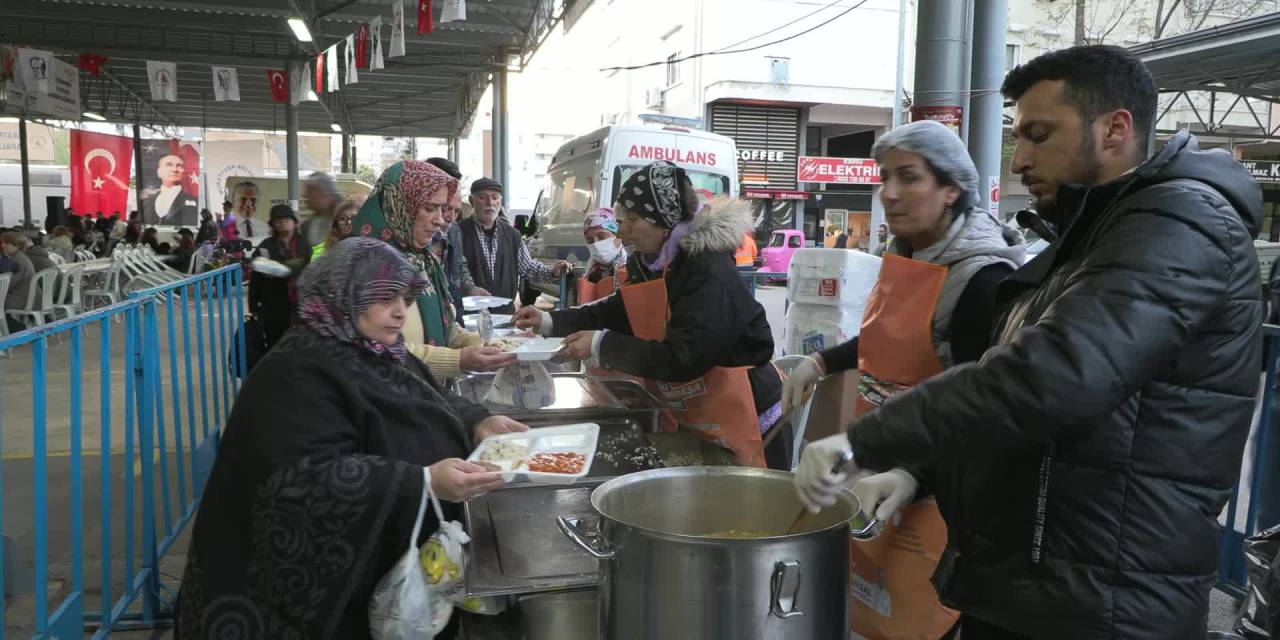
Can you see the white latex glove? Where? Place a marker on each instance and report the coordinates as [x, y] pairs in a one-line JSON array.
[[800, 383], [815, 484], [883, 494]]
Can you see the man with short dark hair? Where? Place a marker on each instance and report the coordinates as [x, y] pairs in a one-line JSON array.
[[495, 253], [1081, 464], [170, 204]]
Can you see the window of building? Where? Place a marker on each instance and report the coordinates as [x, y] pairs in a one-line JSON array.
[[1012, 53], [673, 69]]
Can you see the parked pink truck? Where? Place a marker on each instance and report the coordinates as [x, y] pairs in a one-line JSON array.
[[776, 257]]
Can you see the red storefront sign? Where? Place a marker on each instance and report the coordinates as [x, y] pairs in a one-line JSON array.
[[950, 116], [774, 194], [837, 170]]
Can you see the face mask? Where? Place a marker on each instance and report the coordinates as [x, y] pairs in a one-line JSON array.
[[604, 250]]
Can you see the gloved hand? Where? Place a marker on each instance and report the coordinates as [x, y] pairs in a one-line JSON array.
[[816, 485], [800, 382], [883, 494]]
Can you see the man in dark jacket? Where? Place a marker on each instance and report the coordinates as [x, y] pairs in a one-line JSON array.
[[1083, 461], [494, 251], [274, 300]]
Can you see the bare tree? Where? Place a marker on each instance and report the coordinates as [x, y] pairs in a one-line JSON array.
[[1196, 12], [1081, 29]]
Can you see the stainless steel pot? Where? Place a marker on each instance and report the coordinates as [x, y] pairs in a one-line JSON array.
[[661, 578]]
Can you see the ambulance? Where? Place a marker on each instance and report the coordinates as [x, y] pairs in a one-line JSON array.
[[587, 172]]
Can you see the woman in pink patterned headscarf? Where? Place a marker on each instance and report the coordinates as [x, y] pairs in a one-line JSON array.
[[607, 268]]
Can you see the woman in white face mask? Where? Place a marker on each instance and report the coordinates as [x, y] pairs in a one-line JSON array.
[[607, 268]]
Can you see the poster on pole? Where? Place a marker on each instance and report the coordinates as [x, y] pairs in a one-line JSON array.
[[62, 81], [950, 116]]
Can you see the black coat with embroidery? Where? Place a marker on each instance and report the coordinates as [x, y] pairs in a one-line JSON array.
[[315, 489], [1101, 436]]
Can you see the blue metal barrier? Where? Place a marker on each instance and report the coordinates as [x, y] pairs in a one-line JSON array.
[[1261, 465], [154, 445]]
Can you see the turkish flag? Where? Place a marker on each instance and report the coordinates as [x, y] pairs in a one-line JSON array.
[[424, 17], [319, 88], [362, 47], [100, 165], [279, 85], [92, 63], [190, 154]]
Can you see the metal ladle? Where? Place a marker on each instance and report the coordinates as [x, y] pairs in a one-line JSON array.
[[865, 533]]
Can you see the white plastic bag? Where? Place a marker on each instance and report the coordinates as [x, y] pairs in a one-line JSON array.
[[812, 328], [402, 606], [525, 385], [445, 568]]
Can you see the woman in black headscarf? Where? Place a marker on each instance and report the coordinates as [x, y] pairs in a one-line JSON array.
[[315, 489]]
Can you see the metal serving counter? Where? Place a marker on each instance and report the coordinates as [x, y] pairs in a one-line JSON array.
[[578, 398]]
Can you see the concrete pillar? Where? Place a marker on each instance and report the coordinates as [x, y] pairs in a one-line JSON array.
[[902, 63], [291, 150], [137, 168], [986, 119], [346, 153], [501, 134], [26, 173], [454, 143], [942, 57]]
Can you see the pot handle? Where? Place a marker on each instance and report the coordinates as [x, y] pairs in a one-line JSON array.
[[785, 586], [868, 532], [569, 527]]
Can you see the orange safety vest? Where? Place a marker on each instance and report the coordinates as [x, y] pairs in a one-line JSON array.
[[745, 256], [891, 596]]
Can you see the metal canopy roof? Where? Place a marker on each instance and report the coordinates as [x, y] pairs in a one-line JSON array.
[[1241, 58], [431, 92]]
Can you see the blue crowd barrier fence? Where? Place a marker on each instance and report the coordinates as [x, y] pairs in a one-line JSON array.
[[178, 389]]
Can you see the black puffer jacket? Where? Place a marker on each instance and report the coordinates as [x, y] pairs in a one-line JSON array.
[[714, 321], [1086, 459]]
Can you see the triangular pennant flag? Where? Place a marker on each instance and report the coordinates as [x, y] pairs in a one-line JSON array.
[[362, 47], [331, 63], [92, 63], [164, 80], [279, 83], [397, 29], [300, 83], [453, 10], [350, 60], [226, 84], [319, 68], [375, 28], [425, 25]]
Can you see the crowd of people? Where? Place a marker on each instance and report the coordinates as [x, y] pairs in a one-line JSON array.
[[1074, 422]]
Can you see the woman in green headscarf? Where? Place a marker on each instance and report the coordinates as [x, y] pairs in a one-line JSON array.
[[405, 210]]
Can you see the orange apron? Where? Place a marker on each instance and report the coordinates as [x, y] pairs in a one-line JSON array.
[[591, 291], [718, 406], [891, 596]]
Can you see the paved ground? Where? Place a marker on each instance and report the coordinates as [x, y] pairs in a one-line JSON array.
[[17, 467]]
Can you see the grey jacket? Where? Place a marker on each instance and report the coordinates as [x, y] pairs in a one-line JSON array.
[[1092, 450], [20, 282]]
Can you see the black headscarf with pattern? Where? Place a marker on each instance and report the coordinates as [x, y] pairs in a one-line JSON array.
[[653, 193]]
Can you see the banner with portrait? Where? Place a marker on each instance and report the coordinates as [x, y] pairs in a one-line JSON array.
[[170, 183]]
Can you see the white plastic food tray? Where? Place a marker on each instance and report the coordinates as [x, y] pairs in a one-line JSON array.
[[538, 349], [570, 438], [476, 303]]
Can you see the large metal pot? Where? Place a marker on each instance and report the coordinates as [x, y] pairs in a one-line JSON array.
[[661, 578]]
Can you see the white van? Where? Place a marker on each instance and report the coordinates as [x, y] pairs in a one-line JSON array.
[[587, 172]]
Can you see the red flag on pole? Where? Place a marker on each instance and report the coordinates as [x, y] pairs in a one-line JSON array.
[[92, 63], [319, 88], [424, 17], [100, 165], [279, 85], [362, 47]]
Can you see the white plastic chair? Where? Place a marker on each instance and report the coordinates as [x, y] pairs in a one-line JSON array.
[[39, 299], [56, 258], [84, 255], [109, 293], [69, 301]]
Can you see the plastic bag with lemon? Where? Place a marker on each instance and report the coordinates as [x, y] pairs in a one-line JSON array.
[[443, 564]]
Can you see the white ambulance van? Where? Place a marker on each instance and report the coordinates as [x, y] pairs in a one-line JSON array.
[[587, 172]]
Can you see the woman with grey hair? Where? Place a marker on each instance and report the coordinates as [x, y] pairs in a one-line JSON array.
[[933, 307]]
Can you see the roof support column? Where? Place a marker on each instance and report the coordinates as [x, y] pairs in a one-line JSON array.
[[501, 136], [986, 116], [137, 167], [26, 172], [453, 149], [346, 154], [291, 146]]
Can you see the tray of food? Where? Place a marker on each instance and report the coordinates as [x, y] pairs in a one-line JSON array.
[[538, 349], [508, 341], [472, 321], [548, 455], [476, 303]]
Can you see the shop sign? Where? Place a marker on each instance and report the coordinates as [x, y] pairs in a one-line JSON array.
[[950, 116], [762, 155], [1263, 170], [837, 170], [775, 194]]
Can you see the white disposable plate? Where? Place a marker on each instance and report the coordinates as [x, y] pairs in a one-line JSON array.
[[476, 303], [270, 267], [538, 349], [571, 438], [473, 321]]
